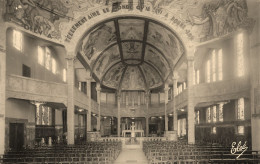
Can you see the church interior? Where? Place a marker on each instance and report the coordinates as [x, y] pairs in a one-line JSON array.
[[129, 81]]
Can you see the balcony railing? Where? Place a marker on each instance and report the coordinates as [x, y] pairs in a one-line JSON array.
[[222, 90], [33, 89]]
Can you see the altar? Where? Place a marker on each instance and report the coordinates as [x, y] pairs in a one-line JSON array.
[[134, 131]]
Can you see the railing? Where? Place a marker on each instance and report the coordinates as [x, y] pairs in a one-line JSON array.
[[80, 99], [33, 89], [222, 90], [181, 99]]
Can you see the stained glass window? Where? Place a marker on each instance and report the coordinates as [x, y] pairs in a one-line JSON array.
[[47, 58], [208, 71], [214, 114], [208, 115], [214, 130], [64, 72], [220, 112], [184, 85], [241, 130], [44, 115], [220, 65], [197, 117], [54, 66], [213, 64], [240, 109], [40, 55], [18, 40], [240, 55], [197, 76]]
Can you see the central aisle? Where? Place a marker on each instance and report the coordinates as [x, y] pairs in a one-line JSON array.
[[131, 156]]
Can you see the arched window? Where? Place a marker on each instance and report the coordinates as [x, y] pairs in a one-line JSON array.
[[18, 40], [240, 55]]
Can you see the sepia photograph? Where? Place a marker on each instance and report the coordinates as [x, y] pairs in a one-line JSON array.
[[129, 81]]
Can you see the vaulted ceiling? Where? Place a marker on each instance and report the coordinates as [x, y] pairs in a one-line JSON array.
[[130, 53]]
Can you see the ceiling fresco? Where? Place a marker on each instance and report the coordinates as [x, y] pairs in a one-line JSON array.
[[131, 29], [153, 56], [113, 76], [132, 50], [164, 40], [98, 39], [106, 60], [133, 43], [152, 77], [133, 79]]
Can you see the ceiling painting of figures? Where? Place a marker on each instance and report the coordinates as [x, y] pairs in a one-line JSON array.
[[98, 40], [131, 29], [164, 40], [127, 48], [154, 57], [152, 77], [106, 60], [133, 79], [112, 78]]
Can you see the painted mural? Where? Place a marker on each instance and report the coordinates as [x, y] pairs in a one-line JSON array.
[[96, 41], [152, 77], [131, 29], [113, 76], [107, 59], [132, 50], [165, 41], [221, 17], [39, 16], [133, 79], [154, 57]]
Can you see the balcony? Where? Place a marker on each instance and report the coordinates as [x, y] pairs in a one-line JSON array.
[[33, 89], [222, 90]]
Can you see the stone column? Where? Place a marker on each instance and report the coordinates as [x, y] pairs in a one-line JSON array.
[[147, 113], [166, 89], [174, 93], [2, 97], [190, 110], [89, 103], [147, 126], [70, 108], [98, 101], [118, 114]]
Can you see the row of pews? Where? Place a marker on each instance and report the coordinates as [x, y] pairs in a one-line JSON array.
[[89, 153], [169, 152]]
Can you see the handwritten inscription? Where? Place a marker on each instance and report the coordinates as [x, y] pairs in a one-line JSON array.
[[238, 148]]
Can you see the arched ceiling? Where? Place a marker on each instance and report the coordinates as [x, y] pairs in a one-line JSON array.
[[131, 53]]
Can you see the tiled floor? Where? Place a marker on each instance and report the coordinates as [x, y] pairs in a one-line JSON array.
[[131, 156]]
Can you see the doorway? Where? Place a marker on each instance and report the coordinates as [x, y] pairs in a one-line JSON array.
[[16, 136]]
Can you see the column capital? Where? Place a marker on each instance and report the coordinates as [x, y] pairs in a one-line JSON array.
[[98, 88], [175, 75], [71, 57]]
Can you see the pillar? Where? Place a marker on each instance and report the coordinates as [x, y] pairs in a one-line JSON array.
[[70, 108], [89, 102], [2, 98], [98, 101], [147, 126], [118, 114], [174, 93], [190, 107], [166, 89]]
